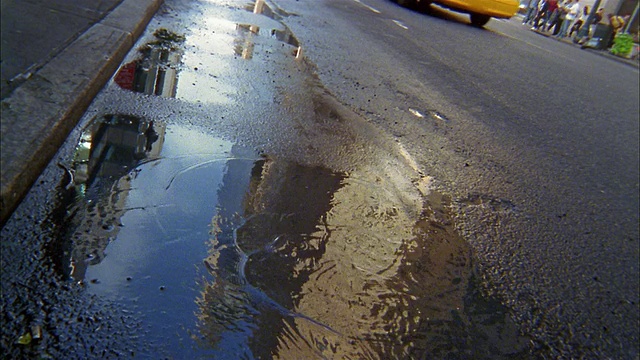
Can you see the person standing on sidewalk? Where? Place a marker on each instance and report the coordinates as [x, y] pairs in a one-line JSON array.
[[581, 20], [599, 15], [556, 16], [572, 10], [532, 11], [617, 22], [597, 18], [543, 13]]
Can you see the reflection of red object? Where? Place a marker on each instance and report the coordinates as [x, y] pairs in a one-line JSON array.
[[126, 75]]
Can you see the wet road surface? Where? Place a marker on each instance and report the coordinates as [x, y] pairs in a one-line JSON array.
[[217, 201], [543, 167]]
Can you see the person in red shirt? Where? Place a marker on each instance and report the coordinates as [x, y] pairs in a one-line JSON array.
[[553, 11]]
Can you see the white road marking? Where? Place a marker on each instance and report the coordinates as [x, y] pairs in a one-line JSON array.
[[400, 24], [416, 113], [438, 116], [368, 7]]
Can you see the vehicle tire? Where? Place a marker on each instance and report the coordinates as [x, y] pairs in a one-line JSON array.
[[423, 5], [407, 3], [479, 20]]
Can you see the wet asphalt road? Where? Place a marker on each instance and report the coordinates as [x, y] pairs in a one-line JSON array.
[[537, 140], [484, 184]]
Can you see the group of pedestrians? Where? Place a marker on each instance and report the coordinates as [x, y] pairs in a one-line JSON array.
[[564, 19]]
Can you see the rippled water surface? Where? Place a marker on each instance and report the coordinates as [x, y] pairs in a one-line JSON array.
[[220, 253]]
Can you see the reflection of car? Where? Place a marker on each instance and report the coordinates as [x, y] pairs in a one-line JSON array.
[[480, 11]]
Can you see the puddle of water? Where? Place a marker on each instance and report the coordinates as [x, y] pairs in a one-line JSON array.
[[155, 265], [221, 255], [286, 36], [244, 46], [136, 219], [261, 7], [96, 183], [161, 68], [167, 64], [228, 256], [155, 73]]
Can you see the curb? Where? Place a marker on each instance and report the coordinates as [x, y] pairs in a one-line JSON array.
[[39, 115]]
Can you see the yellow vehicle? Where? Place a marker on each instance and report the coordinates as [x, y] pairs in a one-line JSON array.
[[480, 11]]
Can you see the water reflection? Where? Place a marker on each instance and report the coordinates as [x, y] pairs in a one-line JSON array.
[[157, 71], [286, 36], [245, 44], [262, 256], [318, 264], [231, 257], [155, 251], [96, 186]]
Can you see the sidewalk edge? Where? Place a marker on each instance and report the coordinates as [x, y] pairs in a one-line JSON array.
[[39, 115]]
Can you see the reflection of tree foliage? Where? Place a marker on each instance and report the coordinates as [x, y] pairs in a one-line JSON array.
[[167, 35], [165, 39]]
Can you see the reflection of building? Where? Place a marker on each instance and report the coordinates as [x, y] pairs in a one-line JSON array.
[[314, 264], [247, 304], [156, 73], [244, 45], [286, 36], [111, 146], [92, 204]]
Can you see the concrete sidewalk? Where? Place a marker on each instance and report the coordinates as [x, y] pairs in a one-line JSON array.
[[603, 52], [56, 56], [568, 40]]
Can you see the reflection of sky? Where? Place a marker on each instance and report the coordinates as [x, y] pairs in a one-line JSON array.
[[164, 237], [215, 45], [193, 86], [215, 35], [215, 40]]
